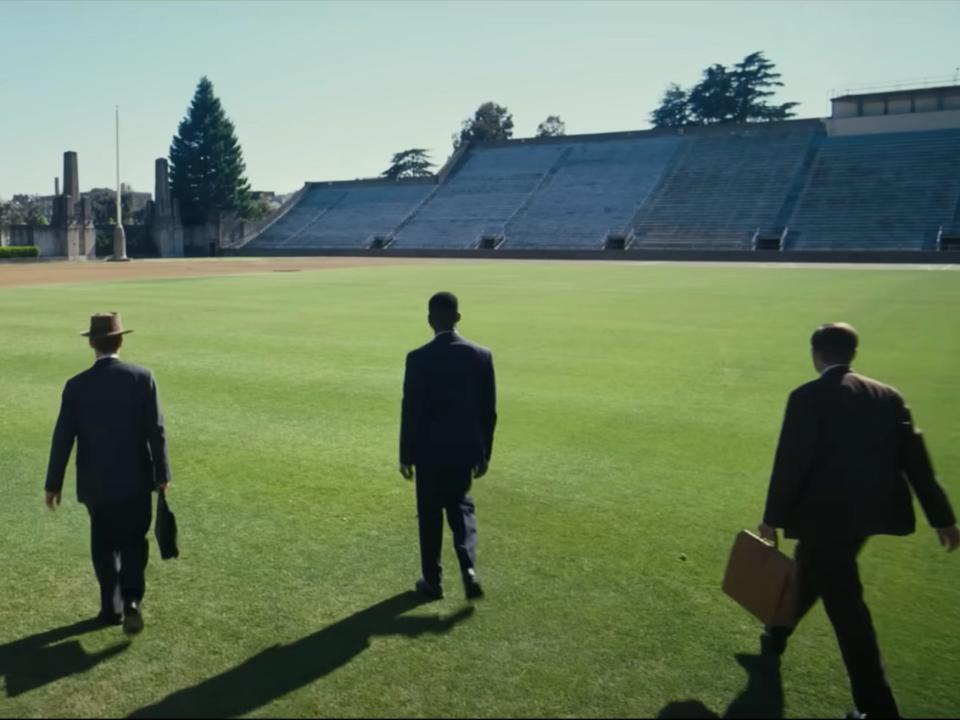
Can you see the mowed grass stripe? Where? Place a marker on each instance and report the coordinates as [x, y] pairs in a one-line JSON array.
[[639, 408]]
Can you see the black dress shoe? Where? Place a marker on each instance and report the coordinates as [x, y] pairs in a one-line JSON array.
[[471, 585], [109, 617], [132, 618], [428, 589]]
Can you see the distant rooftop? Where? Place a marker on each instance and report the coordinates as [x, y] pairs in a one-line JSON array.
[[901, 93], [928, 85]]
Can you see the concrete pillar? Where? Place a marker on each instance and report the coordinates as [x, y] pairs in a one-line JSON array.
[[161, 191], [71, 181], [86, 211], [166, 229], [88, 233], [62, 211]]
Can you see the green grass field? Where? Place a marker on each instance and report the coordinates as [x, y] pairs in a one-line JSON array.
[[639, 409]]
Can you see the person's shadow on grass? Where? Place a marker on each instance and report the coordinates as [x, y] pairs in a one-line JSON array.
[[281, 669], [37, 660], [761, 698]]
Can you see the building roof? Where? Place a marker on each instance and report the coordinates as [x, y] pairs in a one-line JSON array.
[[897, 93]]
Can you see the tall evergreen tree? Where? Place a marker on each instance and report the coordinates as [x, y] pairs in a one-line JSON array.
[[489, 122], [206, 162], [409, 164]]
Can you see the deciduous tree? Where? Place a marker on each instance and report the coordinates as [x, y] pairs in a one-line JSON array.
[[489, 122], [553, 126]]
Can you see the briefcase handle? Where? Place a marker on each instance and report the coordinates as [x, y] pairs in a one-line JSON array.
[[775, 544]]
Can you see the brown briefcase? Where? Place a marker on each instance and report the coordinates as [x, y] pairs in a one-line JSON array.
[[762, 579]]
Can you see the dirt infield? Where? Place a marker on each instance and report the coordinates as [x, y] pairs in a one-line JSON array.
[[22, 273]]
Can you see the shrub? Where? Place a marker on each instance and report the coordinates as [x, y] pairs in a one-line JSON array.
[[139, 241], [19, 251]]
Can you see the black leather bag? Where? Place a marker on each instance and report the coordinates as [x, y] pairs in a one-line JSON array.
[[165, 528]]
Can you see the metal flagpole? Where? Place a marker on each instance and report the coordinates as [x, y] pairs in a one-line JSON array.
[[119, 237]]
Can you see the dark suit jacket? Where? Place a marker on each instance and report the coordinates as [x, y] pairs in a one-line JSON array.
[[449, 404], [847, 458], [113, 412]]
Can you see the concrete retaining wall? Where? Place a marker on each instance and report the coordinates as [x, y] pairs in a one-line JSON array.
[[884, 257]]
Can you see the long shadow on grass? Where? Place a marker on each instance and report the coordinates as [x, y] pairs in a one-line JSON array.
[[281, 669], [761, 698], [35, 661]]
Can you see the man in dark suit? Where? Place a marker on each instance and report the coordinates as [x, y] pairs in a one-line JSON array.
[[446, 433], [847, 459], [113, 413]]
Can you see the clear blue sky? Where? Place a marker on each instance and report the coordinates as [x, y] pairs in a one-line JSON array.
[[329, 90]]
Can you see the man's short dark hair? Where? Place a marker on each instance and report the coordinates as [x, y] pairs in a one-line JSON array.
[[444, 304], [836, 343], [107, 345]]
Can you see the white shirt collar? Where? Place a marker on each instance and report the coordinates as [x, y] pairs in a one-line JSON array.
[[828, 368], [111, 356]]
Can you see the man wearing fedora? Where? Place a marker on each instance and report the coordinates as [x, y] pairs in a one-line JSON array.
[[113, 413]]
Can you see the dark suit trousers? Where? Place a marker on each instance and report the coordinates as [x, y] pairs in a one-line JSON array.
[[829, 572], [118, 544], [439, 490]]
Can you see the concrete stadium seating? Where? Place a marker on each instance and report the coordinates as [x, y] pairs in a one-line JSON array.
[[703, 189], [343, 216], [480, 197], [594, 189], [879, 192], [726, 184]]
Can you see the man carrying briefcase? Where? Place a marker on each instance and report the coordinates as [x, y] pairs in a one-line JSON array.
[[847, 459], [113, 413]]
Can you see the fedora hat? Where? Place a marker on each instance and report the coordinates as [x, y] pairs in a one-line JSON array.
[[105, 325]]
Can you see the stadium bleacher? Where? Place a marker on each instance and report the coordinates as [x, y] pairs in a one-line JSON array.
[[714, 188], [725, 185], [342, 215], [595, 189], [480, 197], [879, 192]]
